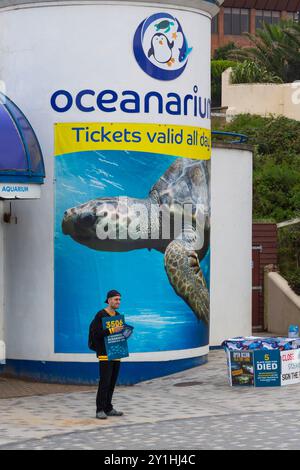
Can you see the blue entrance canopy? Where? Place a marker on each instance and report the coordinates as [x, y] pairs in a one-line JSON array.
[[21, 159]]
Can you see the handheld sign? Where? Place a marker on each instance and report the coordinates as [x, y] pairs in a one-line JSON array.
[[116, 344], [128, 330]]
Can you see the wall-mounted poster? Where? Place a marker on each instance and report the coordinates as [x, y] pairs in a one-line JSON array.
[[137, 222]]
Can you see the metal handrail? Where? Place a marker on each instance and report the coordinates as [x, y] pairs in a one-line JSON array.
[[239, 138]]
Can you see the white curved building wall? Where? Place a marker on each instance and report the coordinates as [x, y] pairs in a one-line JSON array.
[[231, 244], [33, 66]]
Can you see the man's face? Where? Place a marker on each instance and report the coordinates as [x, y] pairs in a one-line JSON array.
[[114, 302]]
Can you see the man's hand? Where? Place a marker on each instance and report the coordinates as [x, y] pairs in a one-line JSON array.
[[117, 329]]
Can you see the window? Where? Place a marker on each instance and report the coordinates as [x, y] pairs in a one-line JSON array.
[[293, 16], [259, 19], [245, 21], [276, 17], [236, 21], [266, 16], [214, 25], [227, 21]]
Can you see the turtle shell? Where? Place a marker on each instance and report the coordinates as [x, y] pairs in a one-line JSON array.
[[186, 181]]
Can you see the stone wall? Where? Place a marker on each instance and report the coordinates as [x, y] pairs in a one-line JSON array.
[[261, 98]]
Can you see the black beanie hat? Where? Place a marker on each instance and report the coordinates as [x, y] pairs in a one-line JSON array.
[[112, 293]]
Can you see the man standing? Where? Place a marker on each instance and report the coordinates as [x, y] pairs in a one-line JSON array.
[[109, 370]]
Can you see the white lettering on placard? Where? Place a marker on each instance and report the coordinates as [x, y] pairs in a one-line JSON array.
[[269, 366]]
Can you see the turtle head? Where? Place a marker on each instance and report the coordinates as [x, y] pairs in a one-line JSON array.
[[108, 224]]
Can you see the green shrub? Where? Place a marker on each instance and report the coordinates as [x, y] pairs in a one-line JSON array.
[[276, 136], [250, 72], [276, 164], [224, 52], [293, 278], [289, 248], [217, 68], [276, 181], [276, 189]]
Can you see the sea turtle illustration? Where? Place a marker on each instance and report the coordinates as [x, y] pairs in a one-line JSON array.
[[164, 25], [161, 49], [181, 193]]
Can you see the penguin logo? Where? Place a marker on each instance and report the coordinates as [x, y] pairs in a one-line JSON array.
[[161, 48]]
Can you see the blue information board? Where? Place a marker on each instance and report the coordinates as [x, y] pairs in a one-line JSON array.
[[267, 368], [116, 344], [241, 368]]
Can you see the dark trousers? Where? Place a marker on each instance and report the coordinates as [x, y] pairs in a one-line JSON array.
[[109, 371]]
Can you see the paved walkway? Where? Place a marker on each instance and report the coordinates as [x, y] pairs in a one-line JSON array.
[[195, 409], [16, 388], [257, 431]]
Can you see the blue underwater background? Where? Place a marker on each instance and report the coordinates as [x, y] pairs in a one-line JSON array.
[[161, 319]]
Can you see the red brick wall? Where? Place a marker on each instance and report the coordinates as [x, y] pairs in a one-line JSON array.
[[220, 39]]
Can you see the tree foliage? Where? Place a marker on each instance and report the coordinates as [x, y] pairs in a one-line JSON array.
[[276, 166], [289, 255], [224, 52], [274, 48], [276, 182]]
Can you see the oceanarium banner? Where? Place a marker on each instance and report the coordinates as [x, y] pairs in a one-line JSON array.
[[132, 169]]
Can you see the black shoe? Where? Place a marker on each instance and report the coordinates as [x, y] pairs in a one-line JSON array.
[[114, 412], [101, 415]]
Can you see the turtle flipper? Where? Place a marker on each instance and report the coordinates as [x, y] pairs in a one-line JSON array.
[[186, 277]]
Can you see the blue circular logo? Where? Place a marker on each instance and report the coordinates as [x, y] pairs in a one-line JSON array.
[[161, 47]]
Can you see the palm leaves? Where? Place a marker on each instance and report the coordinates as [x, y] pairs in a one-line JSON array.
[[292, 50], [251, 72], [276, 49]]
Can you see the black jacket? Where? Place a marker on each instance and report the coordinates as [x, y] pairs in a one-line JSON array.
[[100, 333]]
